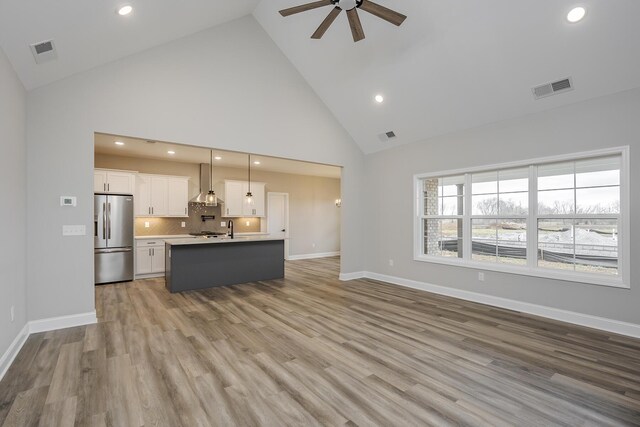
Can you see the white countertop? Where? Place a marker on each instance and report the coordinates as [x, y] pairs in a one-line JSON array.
[[169, 236], [219, 240]]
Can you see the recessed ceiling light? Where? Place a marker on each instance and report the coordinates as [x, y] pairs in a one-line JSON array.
[[125, 10], [256, 162], [379, 99], [119, 143], [171, 152], [576, 14], [218, 158]]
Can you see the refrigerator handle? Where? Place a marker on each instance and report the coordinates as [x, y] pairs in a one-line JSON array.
[[109, 215], [104, 221]]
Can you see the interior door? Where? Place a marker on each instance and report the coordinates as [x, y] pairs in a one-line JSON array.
[[278, 218], [119, 221]]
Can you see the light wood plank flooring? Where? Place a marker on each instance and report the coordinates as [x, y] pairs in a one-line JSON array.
[[310, 350]]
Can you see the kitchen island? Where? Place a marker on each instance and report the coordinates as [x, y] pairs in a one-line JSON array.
[[199, 263]]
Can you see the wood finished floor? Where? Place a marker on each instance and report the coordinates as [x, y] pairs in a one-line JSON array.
[[310, 350]]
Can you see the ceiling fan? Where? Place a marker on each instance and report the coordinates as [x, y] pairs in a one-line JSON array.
[[351, 7]]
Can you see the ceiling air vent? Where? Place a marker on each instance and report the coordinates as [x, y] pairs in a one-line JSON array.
[[554, 88], [387, 136], [44, 51]]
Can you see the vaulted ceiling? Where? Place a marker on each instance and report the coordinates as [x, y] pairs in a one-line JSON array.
[[452, 65]]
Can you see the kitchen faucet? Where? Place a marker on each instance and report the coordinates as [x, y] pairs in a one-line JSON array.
[[230, 226]]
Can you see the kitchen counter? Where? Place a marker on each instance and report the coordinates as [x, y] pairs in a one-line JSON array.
[[200, 263], [218, 240], [164, 237]]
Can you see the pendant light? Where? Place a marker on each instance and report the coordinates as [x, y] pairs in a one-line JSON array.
[[249, 196], [212, 199]]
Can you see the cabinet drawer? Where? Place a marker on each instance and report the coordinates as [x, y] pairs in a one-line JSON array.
[[150, 243]]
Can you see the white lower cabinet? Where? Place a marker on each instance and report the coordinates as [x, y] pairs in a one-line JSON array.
[[150, 257]]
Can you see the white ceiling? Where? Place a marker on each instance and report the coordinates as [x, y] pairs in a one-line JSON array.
[[139, 148], [457, 64], [452, 65], [89, 33]]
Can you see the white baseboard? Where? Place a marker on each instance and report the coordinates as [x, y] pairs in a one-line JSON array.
[[312, 256], [62, 322], [601, 323], [7, 358], [352, 276]]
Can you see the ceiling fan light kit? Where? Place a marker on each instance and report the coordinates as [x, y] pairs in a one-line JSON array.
[[351, 8]]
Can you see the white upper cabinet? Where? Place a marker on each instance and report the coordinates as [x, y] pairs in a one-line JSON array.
[[235, 201], [109, 181], [178, 197], [161, 196]]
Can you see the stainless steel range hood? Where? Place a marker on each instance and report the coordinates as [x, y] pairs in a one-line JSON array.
[[205, 184]]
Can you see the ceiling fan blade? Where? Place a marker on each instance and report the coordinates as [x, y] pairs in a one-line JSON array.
[[305, 7], [356, 26], [326, 23], [382, 12]]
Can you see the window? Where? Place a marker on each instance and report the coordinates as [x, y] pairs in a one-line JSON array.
[[561, 218]]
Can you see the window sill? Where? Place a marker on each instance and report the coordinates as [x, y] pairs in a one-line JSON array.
[[613, 282]]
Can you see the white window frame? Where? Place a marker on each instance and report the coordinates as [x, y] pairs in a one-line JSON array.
[[622, 280]]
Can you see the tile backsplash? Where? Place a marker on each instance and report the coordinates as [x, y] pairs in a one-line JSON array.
[[194, 223]]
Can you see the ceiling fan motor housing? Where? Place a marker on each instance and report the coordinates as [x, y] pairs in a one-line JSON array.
[[347, 4]]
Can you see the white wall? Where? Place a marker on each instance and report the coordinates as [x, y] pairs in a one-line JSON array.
[[13, 207], [605, 122], [229, 87]]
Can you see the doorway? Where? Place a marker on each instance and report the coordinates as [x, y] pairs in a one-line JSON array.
[[278, 217]]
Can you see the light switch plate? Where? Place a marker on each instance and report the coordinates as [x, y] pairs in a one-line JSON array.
[[74, 230]]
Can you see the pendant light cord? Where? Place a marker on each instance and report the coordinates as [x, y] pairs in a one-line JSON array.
[[211, 172], [249, 168]]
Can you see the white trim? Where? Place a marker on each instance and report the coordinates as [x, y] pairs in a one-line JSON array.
[[352, 276], [312, 256], [9, 356], [62, 322], [601, 323]]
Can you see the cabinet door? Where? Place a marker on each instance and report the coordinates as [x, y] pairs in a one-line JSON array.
[[99, 181], [256, 208], [157, 264], [120, 182], [143, 261], [234, 198], [159, 195], [178, 197], [142, 197]]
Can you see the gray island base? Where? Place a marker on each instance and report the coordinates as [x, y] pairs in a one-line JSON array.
[[205, 263]]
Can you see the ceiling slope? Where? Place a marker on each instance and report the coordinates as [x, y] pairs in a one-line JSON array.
[[90, 33], [454, 65]]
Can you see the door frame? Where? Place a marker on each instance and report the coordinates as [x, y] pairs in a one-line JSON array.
[[286, 219]]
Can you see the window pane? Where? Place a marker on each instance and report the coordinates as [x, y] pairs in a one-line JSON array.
[[555, 244], [452, 206], [513, 204], [443, 237], [431, 191], [555, 202], [484, 183], [602, 200], [453, 185], [556, 176], [484, 240], [512, 241], [597, 246], [514, 180], [598, 172], [485, 205]]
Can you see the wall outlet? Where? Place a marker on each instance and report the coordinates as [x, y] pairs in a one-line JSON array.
[[146, 224], [223, 223], [74, 230], [183, 224], [13, 313], [390, 263], [481, 276]]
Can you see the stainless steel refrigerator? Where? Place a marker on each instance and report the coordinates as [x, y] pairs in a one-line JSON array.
[[113, 238]]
